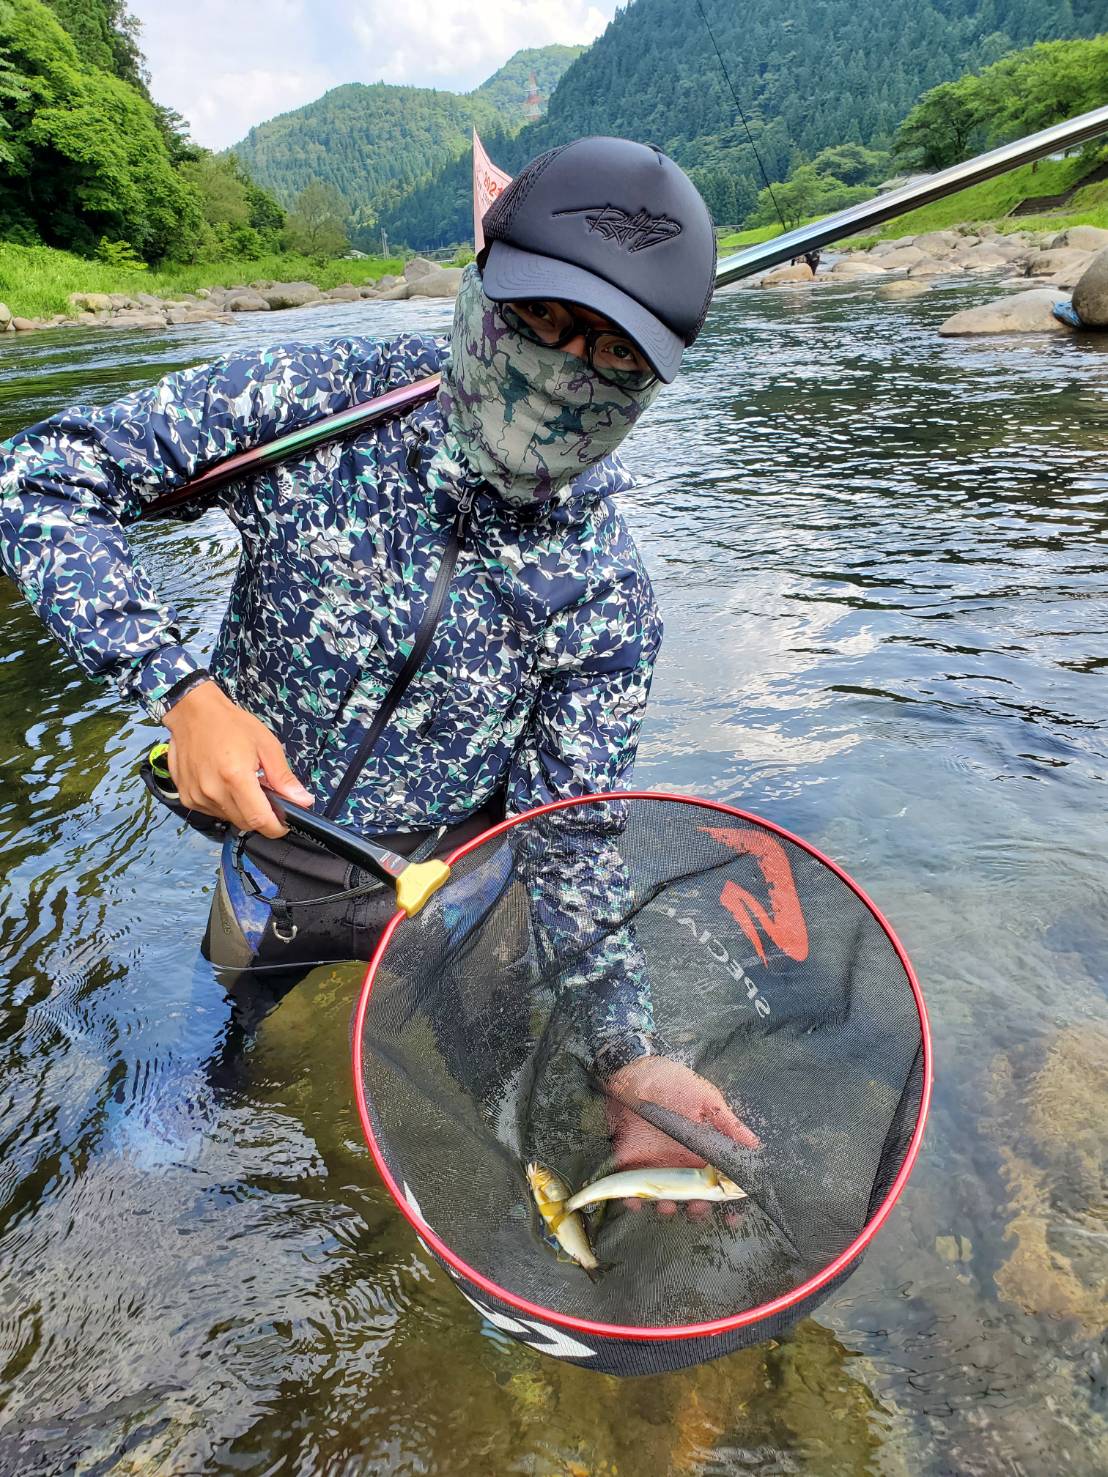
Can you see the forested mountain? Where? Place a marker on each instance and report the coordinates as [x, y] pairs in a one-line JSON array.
[[375, 141], [810, 74], [508, 89]]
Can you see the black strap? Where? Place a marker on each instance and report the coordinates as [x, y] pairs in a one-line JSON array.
[[427, 628]]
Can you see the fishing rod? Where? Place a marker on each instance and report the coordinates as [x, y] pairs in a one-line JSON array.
[[919, 192]]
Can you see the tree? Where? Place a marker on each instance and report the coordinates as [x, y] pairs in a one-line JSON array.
[[86, 157], [805, 193], [316, 224], [852, 164]]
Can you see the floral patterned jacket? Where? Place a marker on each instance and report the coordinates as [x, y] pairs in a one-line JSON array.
[[538, 673]]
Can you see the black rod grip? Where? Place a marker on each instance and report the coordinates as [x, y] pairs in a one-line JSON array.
[[385, 864]]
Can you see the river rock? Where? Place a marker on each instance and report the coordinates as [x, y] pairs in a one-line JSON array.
[[1021, 312], [903, 257], [1082, 238], [802, 272], [444, 282], [1054, 263], [388, 280], [418, 267], [983, 259], [1090, 295], [202, 293], [136, 320], [95, 302], [929, 267], [938, 243], [25, 325], [246, 302], [345, 293], [5, 315], [290, 294], [903, 288], [394, 294], [368, 289], [857, 266]]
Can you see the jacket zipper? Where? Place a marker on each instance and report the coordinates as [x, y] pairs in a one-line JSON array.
[[431, 617]]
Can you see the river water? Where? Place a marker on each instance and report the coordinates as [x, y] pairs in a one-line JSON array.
[[881, 560]]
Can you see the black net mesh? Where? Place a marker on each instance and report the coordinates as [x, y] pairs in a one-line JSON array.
[[501, 1021]]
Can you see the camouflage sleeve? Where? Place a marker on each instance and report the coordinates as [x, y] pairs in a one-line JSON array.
[[69, 485], [583, 740]]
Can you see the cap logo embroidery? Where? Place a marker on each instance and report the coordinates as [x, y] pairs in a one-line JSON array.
[[635, 232]]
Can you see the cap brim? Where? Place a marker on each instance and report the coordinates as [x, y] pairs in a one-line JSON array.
[[510, 273]]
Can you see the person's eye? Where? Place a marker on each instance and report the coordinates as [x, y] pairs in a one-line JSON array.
[[621, 354], [541, 311]]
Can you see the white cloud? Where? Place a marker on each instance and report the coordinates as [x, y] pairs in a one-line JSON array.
[[226, 68]]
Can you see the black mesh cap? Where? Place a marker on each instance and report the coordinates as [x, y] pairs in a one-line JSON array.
[[613, 226]]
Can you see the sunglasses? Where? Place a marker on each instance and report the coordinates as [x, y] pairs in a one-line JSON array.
[[610, 354]]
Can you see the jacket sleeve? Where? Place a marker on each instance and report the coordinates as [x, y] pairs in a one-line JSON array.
[[582, 741], [69, 485]]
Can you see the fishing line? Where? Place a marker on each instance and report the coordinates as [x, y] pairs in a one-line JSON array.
[[742, 115]]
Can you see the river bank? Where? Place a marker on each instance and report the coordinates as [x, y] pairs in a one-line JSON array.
[[215, 304]]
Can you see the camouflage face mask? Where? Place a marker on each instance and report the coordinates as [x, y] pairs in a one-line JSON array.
[[526, 418]]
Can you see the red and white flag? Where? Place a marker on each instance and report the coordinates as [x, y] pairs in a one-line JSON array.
[[488, 181]]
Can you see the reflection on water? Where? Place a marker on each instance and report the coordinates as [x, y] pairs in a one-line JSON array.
[[881, 560]]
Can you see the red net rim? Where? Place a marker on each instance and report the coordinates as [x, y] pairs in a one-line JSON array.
[[621, 1330]]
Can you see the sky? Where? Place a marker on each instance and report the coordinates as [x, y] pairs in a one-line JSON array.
[[225, 67]]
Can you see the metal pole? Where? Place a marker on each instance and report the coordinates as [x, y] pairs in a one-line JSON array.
[[920, 192]]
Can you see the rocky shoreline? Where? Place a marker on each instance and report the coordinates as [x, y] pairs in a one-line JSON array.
[[219, 304], [1038, 268]]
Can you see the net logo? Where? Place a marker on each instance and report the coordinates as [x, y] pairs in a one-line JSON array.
[[783, 921]]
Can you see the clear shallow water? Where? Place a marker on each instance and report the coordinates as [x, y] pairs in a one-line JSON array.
[[881, 558]]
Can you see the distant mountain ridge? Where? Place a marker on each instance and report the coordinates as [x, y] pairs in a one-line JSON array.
[[810, 75], [375, 141]]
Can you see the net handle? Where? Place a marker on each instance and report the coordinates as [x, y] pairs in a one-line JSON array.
[[619, 1330]]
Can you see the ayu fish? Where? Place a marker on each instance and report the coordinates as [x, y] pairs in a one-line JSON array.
[[551, 1193], [658, 1184]]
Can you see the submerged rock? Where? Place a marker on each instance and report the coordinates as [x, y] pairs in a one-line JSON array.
[[1090, 294], [1021, 312], [904, 288]]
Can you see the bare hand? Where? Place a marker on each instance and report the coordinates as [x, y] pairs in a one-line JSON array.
[[637, 1144], [215, 752]]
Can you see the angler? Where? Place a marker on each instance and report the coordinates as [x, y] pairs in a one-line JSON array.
[[438, 622]]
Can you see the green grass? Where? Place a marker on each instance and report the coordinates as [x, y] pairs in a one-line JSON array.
[[36, 281], [738, 239], [986, 204]]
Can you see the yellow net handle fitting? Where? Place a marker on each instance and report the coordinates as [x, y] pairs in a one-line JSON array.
[[415, 882]]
